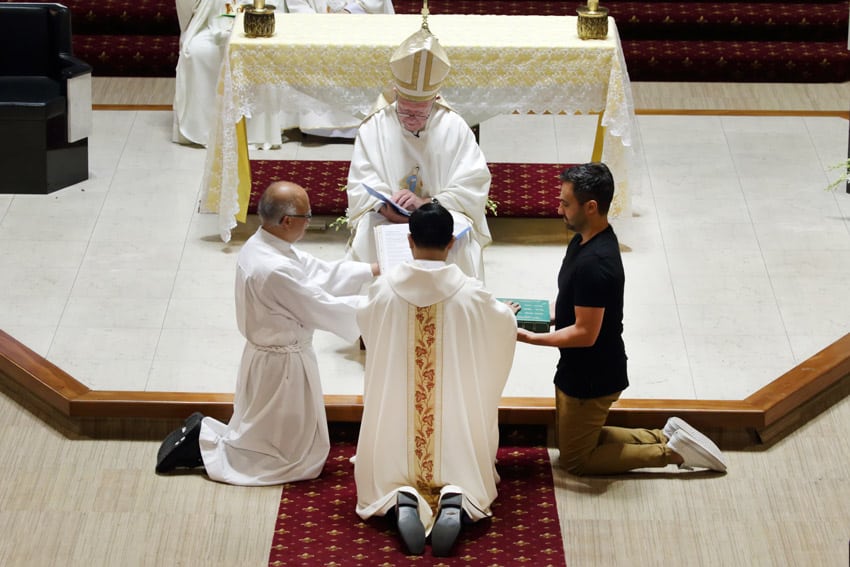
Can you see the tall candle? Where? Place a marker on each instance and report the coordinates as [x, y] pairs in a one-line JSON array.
[[592, 5], [259, 4]]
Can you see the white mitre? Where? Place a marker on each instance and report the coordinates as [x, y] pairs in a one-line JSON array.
[[419, 66]]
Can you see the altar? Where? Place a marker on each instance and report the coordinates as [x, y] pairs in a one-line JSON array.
[[500, 65]]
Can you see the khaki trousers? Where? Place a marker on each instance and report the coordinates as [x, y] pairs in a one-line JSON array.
[[588, 447]]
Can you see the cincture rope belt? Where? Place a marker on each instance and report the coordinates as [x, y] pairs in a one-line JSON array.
[[278, 349]]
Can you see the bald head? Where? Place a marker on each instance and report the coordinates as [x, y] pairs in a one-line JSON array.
[[280, 199]]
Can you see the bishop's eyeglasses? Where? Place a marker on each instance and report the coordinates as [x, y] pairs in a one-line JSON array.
[[403, 114]]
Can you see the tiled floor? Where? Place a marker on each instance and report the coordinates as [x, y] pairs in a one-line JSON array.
[[737, 259]]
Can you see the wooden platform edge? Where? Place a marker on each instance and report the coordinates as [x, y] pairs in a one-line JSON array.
[[725, 112], [771, 406]]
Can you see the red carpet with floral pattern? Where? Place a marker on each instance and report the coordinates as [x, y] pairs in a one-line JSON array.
[[317, 525], [674, 40], [520, 189]]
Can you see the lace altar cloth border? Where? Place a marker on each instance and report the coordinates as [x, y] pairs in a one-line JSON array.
[[500, 65]]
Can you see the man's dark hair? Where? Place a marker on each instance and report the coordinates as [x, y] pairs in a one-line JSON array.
[[431, 226], [591, 181]]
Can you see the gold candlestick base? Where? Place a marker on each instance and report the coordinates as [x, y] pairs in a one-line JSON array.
[[592, 24], [259, 23]]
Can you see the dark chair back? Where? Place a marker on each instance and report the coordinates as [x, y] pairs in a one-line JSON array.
[[43, 132], [32, 37]]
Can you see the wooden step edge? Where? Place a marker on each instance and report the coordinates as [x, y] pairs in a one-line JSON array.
[[42, 378], [720, 112], [770, 405], [714, 414], [804, 382]]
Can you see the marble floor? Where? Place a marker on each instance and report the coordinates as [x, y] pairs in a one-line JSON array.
[[737, 257]]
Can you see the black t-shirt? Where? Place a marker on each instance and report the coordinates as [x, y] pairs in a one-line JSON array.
[[592, 276]]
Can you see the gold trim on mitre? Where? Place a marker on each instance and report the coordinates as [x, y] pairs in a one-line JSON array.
[[419, 66]]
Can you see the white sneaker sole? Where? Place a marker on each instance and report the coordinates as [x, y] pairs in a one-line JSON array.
[[676, 423], [706, 449]]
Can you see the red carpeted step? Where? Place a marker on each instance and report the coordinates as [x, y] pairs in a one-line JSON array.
[[734, 41], [520, 189], [122, 17], [663, 40], [738, 61], [730, 21], [316, 523], [133, 17], [324, 180], [557, 7], [824, 20], [499, 7], [128, 55]]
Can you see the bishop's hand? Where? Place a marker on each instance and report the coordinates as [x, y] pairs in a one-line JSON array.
[[409, 200], [392, 215]]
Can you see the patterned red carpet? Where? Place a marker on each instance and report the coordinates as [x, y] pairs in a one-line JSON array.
[[520, 189], [674, 40], [317, 525]]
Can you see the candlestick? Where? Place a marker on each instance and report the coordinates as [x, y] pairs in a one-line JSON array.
[[592, 21], [259, 4]]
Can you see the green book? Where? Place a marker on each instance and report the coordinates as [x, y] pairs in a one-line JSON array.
[[533, 314]]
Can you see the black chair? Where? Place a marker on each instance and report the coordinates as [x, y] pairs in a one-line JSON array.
[[45, 101]]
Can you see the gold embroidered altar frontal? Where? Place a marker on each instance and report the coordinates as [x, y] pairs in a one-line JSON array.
[[500, 65]]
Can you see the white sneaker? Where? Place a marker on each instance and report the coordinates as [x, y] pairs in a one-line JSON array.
[[676, 423], [697, 451]]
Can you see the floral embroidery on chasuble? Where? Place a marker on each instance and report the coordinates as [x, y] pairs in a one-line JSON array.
[[424, 369]]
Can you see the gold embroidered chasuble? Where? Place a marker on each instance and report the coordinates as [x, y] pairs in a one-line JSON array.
[[438, 353]]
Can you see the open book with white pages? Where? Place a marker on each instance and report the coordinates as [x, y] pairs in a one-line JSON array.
[[393, 248]]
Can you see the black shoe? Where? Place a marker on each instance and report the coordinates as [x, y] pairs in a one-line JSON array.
[[192, 421], [447, 526], [409, 525], [181, 448]]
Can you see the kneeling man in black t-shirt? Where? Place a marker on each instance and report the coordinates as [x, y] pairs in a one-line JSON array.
[[591, 372]]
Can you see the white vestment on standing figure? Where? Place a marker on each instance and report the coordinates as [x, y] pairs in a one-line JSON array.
[[278, 432], [448, 165], [439, 349], [204, 35]]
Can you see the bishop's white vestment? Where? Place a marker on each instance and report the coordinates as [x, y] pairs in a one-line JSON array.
[[448, 165], [203, 38], [439, 349], [278, 432]]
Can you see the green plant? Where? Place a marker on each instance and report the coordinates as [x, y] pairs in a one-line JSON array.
[[843, 178], [339, 222], [342, 221]]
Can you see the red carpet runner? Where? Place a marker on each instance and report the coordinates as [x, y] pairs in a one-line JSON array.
[[520, 189], [317, 525]]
